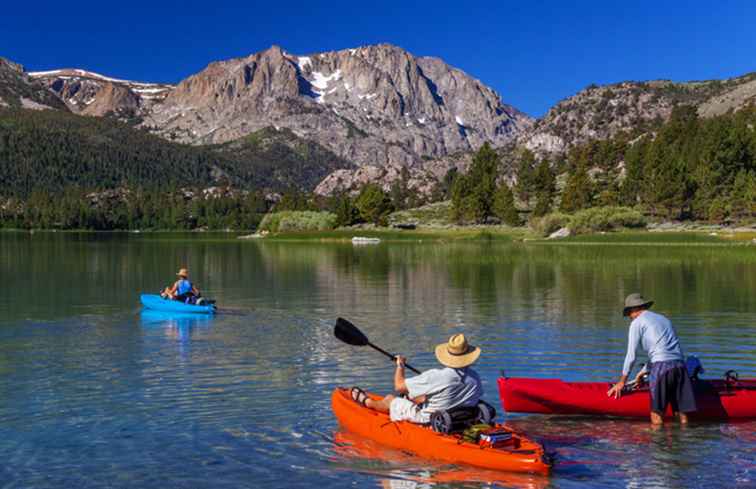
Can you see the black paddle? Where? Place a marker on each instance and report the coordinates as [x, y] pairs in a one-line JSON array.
[[351, 335]]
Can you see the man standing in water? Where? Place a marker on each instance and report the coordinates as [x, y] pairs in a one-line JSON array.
[[669, 382]]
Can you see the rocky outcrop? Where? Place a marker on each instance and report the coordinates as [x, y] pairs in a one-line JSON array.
[[601, 112], [88, 93], [17, 89]]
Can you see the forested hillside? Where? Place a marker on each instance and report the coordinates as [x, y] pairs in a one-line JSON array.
[[690, 168], [54, 150]]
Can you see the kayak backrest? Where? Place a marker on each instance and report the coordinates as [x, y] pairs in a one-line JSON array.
[[457, 420]]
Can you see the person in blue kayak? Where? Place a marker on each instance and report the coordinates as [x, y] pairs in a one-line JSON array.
[[669, 382], [453, 386], [182, 290]]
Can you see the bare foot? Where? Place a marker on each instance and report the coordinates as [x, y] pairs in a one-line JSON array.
[[656, 419]]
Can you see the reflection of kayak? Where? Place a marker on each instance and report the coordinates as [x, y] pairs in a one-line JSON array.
[[157, 303], [153, 317], [716, 399], [521, 455], [402, 466]]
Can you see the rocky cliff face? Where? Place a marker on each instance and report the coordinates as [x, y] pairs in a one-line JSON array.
[[602, 112], [17, 89], [375, 105], [88, 93]]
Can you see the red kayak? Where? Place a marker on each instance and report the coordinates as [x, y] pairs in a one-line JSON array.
[[716, 399]]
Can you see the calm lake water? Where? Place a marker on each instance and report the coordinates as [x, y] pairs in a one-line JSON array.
[[95, 393]]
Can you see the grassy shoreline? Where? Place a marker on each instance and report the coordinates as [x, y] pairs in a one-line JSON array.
[[502, 234], [524, 235]]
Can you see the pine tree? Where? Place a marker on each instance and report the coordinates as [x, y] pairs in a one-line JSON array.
[[578, 192], [346, 213], [461, 189], [473, 194], [543, 204], [629, 189], [743, 196], [504, 206], [544, 180], [525, 176], [373, 204]]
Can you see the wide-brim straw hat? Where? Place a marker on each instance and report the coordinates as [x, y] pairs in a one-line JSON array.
[[457, 352], [635, 300], [183, 273]]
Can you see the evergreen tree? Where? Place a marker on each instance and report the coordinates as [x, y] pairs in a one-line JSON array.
[[633, 181], [544, 180], [461, 190], [346, 213], [473, 194], [664, 186], [743, 196], [544, 186], [504, 206], [373, 204], [543, 204], [525, 176], [578, 192], [400, 194]]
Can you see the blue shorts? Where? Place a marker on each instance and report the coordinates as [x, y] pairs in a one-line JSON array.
[[669, 383]]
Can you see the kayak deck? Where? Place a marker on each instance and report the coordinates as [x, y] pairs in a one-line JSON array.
[[157, 303], [716, 399], [523, 455]]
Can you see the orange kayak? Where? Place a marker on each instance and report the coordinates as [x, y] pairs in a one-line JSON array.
[[349, 445], [522, 455]]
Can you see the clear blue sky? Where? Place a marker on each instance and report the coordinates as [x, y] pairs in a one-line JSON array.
[[532, 53]]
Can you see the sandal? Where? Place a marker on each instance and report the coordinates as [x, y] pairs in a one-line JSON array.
[[359, 396]]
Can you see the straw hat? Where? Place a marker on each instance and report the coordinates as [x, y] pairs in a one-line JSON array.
[[183, 273], [635, 300], [457, 353]]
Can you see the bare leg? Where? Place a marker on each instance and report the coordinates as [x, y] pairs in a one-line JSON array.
[[382, 405], [683, 418], [656, 419]]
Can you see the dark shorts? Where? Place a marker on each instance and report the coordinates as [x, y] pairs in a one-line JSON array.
[[669, 383]]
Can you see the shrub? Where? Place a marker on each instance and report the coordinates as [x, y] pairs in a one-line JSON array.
[[590, 220], [293, 221], [549, 223], [605, 219]]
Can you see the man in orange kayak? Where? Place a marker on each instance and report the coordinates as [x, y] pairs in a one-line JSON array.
[[446, 388], [669, 382]]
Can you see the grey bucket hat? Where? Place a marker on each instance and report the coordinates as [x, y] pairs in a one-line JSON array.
[[635, 300]]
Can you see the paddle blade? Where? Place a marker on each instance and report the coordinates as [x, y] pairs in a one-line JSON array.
[[348, 333]]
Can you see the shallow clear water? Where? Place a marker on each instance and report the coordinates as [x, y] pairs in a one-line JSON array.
[[96, 393]]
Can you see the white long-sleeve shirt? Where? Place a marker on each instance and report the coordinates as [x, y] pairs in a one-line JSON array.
[[657, 337]]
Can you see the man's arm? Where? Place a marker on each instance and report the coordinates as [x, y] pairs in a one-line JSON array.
[[632, 345], [399, 379], [633, 338]]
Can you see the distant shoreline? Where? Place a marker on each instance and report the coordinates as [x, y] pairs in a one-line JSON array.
[[659, 234]]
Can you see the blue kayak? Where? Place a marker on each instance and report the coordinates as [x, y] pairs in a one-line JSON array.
[[157, 303]]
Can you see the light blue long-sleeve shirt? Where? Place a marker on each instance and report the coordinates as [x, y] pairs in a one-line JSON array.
[[657, 337]]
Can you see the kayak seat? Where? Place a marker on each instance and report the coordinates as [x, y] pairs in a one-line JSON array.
[[458, 419]]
